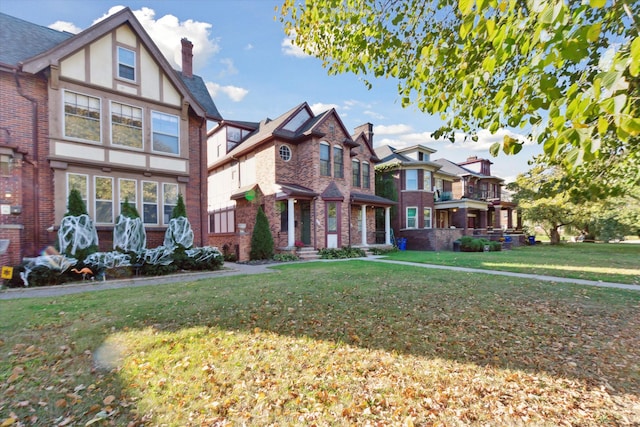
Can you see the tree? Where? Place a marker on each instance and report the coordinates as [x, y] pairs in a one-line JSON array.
[[180, 210], [261, 239], [128, 210], [566, 72], [76, 206]]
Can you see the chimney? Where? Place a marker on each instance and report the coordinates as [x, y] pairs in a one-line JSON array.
[[367, 128], [187, 58]]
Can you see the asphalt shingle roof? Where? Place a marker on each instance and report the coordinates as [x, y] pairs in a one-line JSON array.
[[21, 40]]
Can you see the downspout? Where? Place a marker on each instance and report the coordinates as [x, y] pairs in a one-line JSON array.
[[34, 162], [204, 179], [315, 225]]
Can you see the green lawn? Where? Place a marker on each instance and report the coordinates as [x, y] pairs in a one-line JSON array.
[[618, 263], [341, 343]]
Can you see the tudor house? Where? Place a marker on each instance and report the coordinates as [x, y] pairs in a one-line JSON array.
[[313, 179], [440, 201], [102, 112]]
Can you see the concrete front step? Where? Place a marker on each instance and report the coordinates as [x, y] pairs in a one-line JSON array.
[[307, 253]]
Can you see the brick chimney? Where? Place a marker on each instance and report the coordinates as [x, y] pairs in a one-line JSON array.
[[187, 58], [367, 128]]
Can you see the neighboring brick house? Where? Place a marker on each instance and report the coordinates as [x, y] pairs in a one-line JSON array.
[[439, 201], [101, 111], [313, 179]]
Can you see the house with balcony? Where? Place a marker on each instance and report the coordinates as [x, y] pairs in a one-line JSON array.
[[440, 201], [102, 112], [313, 179]]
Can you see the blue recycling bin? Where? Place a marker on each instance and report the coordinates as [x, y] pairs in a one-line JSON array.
[[402, 244], [532, 240]]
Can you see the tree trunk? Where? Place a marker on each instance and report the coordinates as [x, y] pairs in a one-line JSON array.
[[554, 236]]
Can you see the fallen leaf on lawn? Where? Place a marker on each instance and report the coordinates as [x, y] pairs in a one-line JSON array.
[[109, 399], [8, 422]]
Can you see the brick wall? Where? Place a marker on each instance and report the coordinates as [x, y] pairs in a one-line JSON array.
[[196, 189]]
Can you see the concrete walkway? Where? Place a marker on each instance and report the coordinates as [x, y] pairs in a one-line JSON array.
[[233, 269]]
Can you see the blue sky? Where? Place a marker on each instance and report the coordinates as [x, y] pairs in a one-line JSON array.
[[253, 71]]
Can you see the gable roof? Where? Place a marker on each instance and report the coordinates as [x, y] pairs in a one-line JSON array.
[[32, 48], [391, 155], [456, 169]]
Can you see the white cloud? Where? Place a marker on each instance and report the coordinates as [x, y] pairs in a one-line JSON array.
[[65, 26], [290, 49], [234, 93], [229, 68], [391, 129], [373, 114], [248, 47], [319, 107], [167, 32]]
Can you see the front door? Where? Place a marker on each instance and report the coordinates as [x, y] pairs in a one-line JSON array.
[[305, 218], [333, 226]]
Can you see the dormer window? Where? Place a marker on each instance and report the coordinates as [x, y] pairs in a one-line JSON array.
[[126, 64]]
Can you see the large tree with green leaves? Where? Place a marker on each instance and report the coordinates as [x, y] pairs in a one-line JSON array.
[[565, 72]]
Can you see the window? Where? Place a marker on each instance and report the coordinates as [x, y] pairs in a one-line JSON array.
[[325, 166], [365, 175], [234, 136], [104, 199], [283, 208], [81, 116], [126, 64], [412, 214], [355, 170], [285, 153], [5, 164], [126, 125], [165, 133], [128, 191], [297, 121], [427, 217], [426, 180], [170, 200], [439, 185], [411, 179], [149, 202], [332, 217], [222, 221], [78, 182], [338, 162]]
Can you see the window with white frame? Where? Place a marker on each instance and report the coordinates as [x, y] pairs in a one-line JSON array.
[[325, 161], [426, 181], [338, 162], [412, 217], [166, 133], [332, 217], [411, 179], [126, 64], [81, 116], [285, 153], [169, 200], [103, 199], [355, 170], [427, 217], [366, 175], [128, 191], [126, 125], [80, 182], [149, 202]]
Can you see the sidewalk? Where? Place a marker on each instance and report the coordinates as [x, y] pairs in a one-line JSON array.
[[233, 269]]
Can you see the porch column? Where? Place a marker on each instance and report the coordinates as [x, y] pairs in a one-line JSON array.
[[363, 218], [518, 219], [291, 224], [387, 225], [497, 219], [510, 218]]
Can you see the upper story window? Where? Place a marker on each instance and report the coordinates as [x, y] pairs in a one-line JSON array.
[[355, 168], [366, 175], [126, 64], [411, 179], [325, 165], [426, 180], [126, 125], [166, 133], [5, 165], [81, 116], [234, 136], [338, 162], [285, 153]]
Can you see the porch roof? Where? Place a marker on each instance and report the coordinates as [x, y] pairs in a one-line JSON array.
[[371, 199], [294, 190], [242, 192]]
